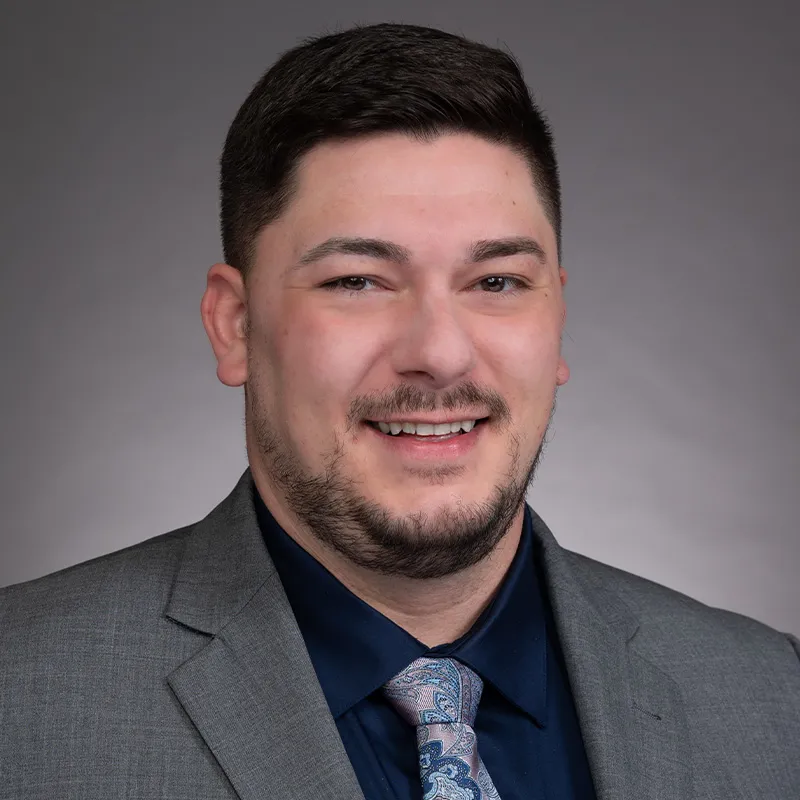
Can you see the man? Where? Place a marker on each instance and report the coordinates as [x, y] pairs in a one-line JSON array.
[[374, 611]]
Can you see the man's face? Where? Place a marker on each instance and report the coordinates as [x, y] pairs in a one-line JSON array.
[[428, 320]]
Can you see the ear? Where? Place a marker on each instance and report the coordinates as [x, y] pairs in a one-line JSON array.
[[224, 312], [562, 371]]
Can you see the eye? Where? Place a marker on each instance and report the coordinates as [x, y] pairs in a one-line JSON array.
[[496, 283], [351, 283]]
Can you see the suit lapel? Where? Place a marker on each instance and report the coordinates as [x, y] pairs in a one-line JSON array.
[[631, 715], [251, 691]]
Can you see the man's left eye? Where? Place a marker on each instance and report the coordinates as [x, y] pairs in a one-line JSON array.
[[495, 281]]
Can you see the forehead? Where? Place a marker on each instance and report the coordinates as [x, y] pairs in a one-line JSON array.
[[430, 196]]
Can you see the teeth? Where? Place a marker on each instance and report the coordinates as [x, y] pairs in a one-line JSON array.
[[426, 429]]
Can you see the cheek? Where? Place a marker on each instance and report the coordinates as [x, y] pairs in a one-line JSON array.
[[527, 353], [322, 361], [523, 362]]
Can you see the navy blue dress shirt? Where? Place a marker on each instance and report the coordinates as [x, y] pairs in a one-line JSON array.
[[527, 729]]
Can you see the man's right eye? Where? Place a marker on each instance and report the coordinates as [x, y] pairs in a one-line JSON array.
[[352, 283]]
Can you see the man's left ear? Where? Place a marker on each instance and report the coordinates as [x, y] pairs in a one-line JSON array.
[[562, 372]]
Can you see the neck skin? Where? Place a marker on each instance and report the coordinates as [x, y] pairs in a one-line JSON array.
[[436, 610]]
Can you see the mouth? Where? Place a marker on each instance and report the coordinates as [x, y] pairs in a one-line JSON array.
[[427, 434], [427, 447]]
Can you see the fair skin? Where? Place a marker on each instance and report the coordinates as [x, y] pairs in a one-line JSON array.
[[432, 329]]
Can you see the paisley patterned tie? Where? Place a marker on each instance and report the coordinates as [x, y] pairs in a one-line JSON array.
[[440, 697]]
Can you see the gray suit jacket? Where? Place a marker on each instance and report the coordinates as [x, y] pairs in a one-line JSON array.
[[175, 669]]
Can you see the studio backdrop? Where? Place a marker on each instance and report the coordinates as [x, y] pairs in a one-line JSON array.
[[674, 451]]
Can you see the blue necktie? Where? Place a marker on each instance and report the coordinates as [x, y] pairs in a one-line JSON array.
[[440, 697]]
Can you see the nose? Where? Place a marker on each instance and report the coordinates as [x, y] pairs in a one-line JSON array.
[[433, 343]]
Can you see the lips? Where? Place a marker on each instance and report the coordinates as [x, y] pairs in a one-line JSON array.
[[450, 448]]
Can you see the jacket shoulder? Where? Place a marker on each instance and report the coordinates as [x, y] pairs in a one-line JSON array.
[[135, 580], [84, 657], [674, 624], [733, 682]]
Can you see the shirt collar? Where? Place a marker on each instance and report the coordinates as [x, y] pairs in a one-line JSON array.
[[508, 644], [356, 649]]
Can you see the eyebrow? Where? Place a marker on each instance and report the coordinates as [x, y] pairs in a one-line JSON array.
[[481, 250]]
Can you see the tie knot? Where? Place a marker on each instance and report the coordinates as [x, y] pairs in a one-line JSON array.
[[435, 690]]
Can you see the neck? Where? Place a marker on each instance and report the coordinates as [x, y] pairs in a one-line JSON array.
[[438, 610], [433, 610]]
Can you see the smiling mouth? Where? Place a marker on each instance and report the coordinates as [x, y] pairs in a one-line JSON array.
[[424, 437]]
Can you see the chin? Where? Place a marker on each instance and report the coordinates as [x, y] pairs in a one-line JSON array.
[[429, 500]]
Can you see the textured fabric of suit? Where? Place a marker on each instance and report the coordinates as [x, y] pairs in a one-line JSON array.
[[175, 669]]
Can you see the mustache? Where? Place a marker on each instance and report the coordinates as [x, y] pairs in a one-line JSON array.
[[409, 399]]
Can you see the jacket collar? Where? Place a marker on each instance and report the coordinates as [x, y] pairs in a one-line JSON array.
[[251, 690], [630, 713]]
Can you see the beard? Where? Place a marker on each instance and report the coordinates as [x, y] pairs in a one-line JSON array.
[[416, 545]]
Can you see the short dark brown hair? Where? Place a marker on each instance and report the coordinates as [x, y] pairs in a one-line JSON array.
[[367, 80]]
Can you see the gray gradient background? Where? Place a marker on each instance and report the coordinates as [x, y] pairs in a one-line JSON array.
[[674, 450]]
